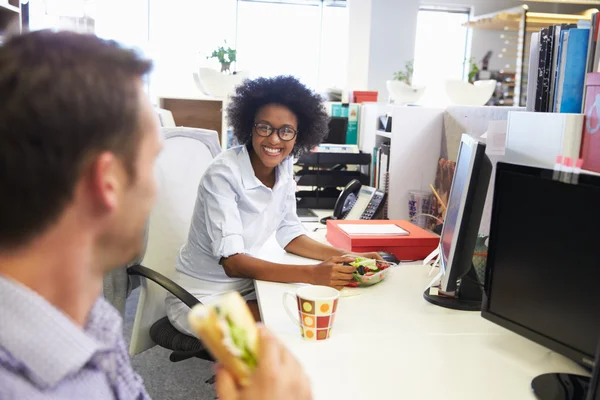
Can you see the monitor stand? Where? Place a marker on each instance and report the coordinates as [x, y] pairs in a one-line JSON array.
[[560, 386], [469, 295]]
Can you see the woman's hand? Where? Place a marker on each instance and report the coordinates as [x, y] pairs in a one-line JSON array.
[[277, 376], [372, 254], [332, 272]]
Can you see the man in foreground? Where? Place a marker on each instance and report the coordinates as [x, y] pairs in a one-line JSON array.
[[78, 141]]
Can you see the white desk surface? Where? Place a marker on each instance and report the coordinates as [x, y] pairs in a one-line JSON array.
[[389, 343]]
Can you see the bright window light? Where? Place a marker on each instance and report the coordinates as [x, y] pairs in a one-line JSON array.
[[440, 48], [182, 34], [334, 48], [279, 39]]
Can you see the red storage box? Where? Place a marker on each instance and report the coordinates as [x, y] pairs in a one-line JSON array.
[[363, 96], [417, 245], [590, 141]]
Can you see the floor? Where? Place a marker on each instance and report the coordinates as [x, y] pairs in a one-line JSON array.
[[184, 380]]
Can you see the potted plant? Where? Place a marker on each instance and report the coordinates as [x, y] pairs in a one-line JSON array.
[[406, 75], [401, 90], [214, 83], [473, 70], [225, 56]]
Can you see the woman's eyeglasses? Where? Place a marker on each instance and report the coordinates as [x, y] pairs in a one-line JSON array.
[[285, 133]]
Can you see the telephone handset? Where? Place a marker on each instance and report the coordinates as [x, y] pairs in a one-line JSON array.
[[359, 202]]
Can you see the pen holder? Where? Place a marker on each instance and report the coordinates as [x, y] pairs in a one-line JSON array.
[[419, 203]]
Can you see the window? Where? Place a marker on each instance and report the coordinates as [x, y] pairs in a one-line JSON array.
[[276, 39], [440, 48], [305, 39], [334, 47], [123, 21], [182, 34]]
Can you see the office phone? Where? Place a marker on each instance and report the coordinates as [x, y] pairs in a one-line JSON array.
[[358, 201]]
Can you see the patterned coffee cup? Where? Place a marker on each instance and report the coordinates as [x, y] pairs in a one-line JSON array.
[[316, 306]]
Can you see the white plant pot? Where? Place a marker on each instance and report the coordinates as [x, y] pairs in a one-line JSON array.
[[467, 94], [401, 93], [217, 84]]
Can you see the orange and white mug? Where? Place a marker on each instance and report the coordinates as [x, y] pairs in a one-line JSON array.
[[316, 306]]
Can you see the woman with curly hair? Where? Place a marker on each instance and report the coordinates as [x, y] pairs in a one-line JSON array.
[[248, 193]]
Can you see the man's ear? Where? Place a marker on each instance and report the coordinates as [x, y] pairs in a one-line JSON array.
[[106, 180]]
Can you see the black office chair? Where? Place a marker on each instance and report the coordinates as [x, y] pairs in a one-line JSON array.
[[162, 332]]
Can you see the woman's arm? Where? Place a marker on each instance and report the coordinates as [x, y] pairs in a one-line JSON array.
[[331, 272], [305, 246], [245, 266]]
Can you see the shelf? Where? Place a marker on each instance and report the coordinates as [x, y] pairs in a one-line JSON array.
[[322, 202], [384, 134], [328, 159], [329, 178], [510, 19], [10, 20], [502, 20], [8, 8]]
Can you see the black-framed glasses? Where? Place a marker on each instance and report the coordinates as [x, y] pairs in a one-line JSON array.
[[285, 133]]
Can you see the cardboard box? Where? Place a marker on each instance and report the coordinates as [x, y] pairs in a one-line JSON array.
[[416, 246], [361, 96]]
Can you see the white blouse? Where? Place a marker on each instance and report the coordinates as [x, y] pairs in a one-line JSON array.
[[234, 213]]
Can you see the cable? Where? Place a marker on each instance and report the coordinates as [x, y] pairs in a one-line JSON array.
[[427, 215], [475, 281]]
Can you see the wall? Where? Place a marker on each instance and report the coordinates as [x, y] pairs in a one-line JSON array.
[[359, 25], [382, 39], [393, 30]]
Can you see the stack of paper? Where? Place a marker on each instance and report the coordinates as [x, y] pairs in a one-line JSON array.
[[374, 229]]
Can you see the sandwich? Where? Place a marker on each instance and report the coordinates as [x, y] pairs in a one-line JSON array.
[[228, 330]]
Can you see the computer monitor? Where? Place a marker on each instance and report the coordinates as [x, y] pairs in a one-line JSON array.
[[542, 267], [460, 287], [594, 387], [338, 128]]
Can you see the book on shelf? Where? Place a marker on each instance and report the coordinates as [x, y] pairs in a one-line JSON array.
[[373, 171], [592, 43], [560, 57], [590, 140], [570, 95], [384, 164], [533, 69], [541, 87], [560, 72]]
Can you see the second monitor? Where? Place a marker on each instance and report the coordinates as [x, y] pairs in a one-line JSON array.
[[460, 287]]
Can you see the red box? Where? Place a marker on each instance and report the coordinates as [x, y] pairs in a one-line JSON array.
[[590, 141], [358, 96], [417, 245]]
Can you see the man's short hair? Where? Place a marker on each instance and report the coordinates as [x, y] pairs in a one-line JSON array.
[[64, 98]]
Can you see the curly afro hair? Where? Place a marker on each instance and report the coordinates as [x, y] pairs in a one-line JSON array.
[[287, 91]]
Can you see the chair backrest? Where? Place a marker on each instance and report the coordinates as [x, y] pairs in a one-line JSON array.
[[165, 117], [186, 154]]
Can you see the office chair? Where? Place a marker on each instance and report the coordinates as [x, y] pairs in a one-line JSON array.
[[186, 154]]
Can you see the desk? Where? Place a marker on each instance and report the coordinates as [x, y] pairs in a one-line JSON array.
[[389, 343]]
